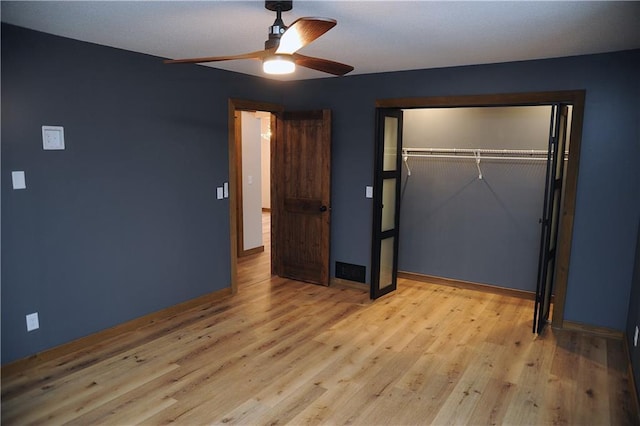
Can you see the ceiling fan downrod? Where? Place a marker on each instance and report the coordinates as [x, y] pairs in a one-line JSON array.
[[278, 28]]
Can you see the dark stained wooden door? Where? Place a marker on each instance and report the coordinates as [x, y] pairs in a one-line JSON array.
[[301, 211]]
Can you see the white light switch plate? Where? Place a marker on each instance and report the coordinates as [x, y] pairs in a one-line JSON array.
[[32, 322], [226, 190], [368, 192], [18, 180], [220, 193], [52, 137]]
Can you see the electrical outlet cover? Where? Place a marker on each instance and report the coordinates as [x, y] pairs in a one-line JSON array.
[[52, 137]]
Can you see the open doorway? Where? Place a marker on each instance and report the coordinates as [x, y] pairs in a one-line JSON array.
[[300, 192], [473, 196], [241, 267], [253, 141], [253, 189], [473, 183], [563, 209]]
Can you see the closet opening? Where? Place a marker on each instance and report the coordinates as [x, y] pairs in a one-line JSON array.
[[482, 201]]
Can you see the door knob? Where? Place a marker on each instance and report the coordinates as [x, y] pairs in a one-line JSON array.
[[323, 208]]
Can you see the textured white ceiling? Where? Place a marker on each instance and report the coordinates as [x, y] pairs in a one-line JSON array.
[[373, 36]]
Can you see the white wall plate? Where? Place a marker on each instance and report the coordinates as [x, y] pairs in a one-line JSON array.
[[52, 137], [18, 180]]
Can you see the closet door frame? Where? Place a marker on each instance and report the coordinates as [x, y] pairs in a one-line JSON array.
[[575, 98]]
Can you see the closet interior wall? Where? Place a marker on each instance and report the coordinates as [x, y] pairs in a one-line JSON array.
[[457, 225]]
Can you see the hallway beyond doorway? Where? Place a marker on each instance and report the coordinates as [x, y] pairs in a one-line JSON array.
[[257, 267]]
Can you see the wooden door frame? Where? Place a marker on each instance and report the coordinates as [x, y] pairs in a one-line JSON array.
[[239, 204], [576, 98], [235, 196]]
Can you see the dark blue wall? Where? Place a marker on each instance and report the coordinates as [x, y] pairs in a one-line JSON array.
[[455, 225], [125, 221], [608, 198]]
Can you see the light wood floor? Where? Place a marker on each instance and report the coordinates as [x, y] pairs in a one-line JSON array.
[[286, 352]]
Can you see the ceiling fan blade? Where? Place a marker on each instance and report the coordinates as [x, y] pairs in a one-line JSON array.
[[260, 54], [302, 32], [324, 65]]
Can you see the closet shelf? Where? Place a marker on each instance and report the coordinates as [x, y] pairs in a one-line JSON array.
[[476, 154]]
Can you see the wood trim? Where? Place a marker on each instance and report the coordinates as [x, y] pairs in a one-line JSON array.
[[274, 176], [233, 182], [233, 106], [16, 367], [467, 285], [276, 135], [576, 98], [266, 210], [251, 251], [607, 333], [239, 193], [567, 214], [248, 105], [635, 398], [500, 99]]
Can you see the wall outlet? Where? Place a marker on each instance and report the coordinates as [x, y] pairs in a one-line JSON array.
[[635, 337], [52, 137], [32, 322]]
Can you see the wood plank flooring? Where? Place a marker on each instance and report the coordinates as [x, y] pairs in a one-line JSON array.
[[284, 352]]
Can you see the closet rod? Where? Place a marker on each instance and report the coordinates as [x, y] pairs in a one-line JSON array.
[[478, 150], [484, 157], [498, 154]]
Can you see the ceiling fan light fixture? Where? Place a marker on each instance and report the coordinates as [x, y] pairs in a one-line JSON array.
[[278, 64]]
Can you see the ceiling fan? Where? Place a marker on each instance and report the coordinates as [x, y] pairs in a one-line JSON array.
[[280, 50]]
